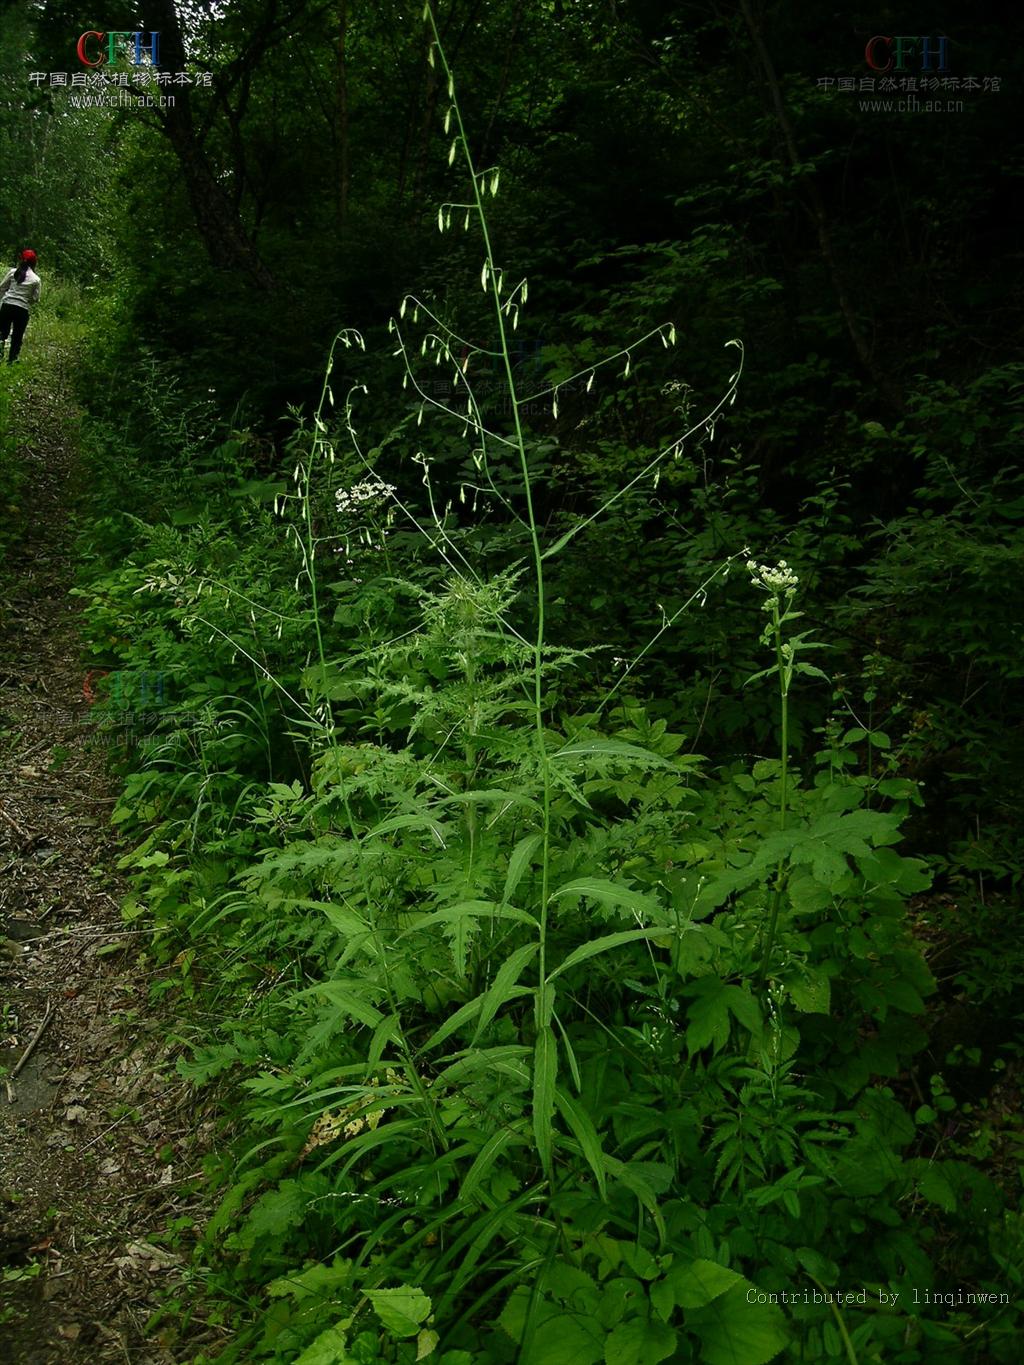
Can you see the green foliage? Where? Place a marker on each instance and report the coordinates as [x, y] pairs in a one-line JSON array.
[[550, 940]]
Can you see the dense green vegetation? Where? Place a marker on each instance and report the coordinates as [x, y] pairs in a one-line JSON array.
[[571, 730]]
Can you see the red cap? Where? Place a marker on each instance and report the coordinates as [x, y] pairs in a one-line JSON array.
[[29, 256]]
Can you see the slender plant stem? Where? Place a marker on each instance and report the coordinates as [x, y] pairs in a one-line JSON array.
[[494, 278], [776, 902]]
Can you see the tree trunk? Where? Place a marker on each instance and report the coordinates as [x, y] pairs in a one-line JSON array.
[[819, 216], [224, 234], [343, 140]]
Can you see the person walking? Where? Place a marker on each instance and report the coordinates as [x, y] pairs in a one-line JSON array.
[[19, 290]]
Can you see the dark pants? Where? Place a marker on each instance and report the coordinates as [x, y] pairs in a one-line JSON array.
[[13, 320]]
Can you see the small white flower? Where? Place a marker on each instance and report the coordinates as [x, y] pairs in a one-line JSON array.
[[780, 579], [370, 491]]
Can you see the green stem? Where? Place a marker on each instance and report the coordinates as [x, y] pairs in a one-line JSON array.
[[520, 446], [776, 903]]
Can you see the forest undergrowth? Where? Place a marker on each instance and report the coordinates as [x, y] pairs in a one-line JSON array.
[[560, 1010]]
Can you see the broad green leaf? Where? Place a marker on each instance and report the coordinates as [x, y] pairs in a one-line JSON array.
[[639, 1260], [426, 1343], [698, 1283], [635, 1342], [812, 993], [566, 1338], [274, 1213], [572, 1286], [401, 1310], [708, 1015], [735, 1332], [605, 943], [903, 995], [744, 1007], [662, 1299], [316, 1281], [937, 1189], [545, 1069], [330, 1348]]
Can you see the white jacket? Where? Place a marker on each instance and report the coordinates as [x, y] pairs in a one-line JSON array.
[[21, 295]]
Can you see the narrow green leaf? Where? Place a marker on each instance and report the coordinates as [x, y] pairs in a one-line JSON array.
[[610, 893], [611, 748], [605, 943], [545, 1069], [495, 1146], [464, 1015], [468, 910], [501, 988], [582, 1128], [518, 862], [351, 1002], [400, 822]]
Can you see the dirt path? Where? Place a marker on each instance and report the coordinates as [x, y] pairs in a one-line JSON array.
[[96, 1134]]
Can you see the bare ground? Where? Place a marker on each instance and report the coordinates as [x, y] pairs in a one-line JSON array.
[[98, 1136]]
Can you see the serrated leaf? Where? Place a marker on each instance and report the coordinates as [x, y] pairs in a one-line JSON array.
[[400, 1310], [735, 1332], [662, 1299], [330, 1348], [700, 1282], [564, 1338], [274, 1214], [314, 1281], [708, 1016], [635, 1342], [811, 994]]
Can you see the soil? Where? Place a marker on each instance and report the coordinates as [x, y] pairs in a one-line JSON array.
[[99, 1138]]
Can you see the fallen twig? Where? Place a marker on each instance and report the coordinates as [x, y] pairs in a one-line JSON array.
[[34, 1040], [19, 829]]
